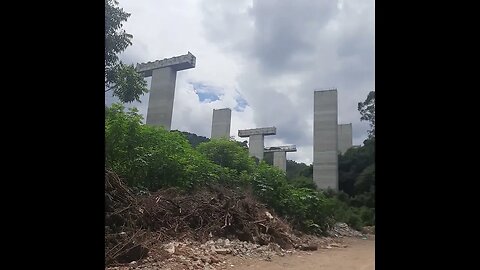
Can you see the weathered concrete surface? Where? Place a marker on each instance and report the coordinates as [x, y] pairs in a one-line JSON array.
[[345, 140], [280, 160], [325, 139], [257, 131], [256, 139], [177, 63], [162, 89], [255, 146], [280, 155], [221, 123]]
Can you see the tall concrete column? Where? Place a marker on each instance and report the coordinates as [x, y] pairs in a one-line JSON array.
[[280, 155], [221, 123], [255, 146], [162, 93], [280, 160], [345, 137], [162, 89], [325, 136], [256, 140]]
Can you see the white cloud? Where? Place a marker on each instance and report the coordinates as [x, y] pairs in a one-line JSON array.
[[271, 53]]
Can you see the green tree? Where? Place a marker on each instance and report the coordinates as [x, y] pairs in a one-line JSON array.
[[123, 80], [194, 139], [367, 110], [153, 157], [229, 154]]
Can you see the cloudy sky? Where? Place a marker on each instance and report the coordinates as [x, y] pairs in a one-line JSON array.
[[261, 58]]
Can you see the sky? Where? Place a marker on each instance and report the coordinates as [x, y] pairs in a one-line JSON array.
[[262, 58]]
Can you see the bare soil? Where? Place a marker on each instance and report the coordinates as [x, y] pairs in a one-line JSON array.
[[358, 255]]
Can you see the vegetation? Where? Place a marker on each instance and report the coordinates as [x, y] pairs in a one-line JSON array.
[[154, 158], [355, 202], [123, 80]]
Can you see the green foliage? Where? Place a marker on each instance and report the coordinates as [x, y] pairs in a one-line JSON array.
[[152, 156], [194, 139], [306, 208], [295, 169], [357, 211], [353, 163], [367, 110], [227, 154], [303, 182], [126, 83], [366, 180]]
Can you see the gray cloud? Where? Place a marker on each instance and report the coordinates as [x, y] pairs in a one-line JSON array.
[[272, 53], [293, 48]]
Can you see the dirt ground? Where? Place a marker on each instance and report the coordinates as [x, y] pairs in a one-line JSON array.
[[358, 255]]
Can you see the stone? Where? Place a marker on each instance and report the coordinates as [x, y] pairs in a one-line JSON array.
[[214, 259], [223, 251], [170, 248], [134, 253]]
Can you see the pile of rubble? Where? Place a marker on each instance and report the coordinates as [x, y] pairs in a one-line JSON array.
[[341, 229], [136, 224], [202, 230], [368, 229], [219, 254]]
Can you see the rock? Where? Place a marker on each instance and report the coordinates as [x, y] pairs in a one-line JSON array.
[[135, 253], [222, 251], [214, 259], [170, 248], [308, 247]]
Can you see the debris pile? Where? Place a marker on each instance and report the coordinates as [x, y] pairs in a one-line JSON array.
[[341, 229], [122, 222], [197, 230], [214, 212], [135, 224], [368, 230], [217, 254]]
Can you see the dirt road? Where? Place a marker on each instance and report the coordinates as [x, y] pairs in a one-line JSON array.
[[358, 255]]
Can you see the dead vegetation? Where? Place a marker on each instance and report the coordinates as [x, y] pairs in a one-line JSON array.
[[133, 224]]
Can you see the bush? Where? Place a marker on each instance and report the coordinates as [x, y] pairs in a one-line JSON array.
[[152, 156], [229, 154]]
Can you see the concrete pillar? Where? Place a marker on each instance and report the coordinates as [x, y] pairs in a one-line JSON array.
[[221, 123], [256, 140], [345, 137], [325, 139], [162, 92], [162, 89], [280, 155], [255, 146], [280, 160]]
